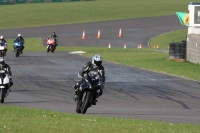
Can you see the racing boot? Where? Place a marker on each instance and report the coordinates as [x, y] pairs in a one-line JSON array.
[[94, 102]]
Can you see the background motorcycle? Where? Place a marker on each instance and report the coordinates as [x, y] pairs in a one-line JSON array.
[[51, 46], [3, 49], [18, 48], [4, 85], [88, 91]]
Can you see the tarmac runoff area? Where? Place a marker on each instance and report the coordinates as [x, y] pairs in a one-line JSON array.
[[44, 80]]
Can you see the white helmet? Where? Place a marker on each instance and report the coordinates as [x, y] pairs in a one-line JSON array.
[[19, 35], [1, 37], [96, 60]]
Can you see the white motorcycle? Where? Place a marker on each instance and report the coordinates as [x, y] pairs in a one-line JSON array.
[[4, 85]]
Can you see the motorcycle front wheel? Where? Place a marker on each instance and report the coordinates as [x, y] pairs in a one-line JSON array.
[[86, 102], [2, 95], [78, 106], [17, 53], [48, 48]]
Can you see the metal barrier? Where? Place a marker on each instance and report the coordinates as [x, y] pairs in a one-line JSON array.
[[7, 2]]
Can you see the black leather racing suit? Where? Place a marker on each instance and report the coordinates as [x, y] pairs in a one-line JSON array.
[[55, 38], [87, 68]]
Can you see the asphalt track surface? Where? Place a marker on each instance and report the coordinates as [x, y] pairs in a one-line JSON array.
[[44, 80]]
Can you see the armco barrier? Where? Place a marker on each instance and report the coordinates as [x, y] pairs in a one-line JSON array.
[[20, 1], [29, 1], [56, 0], [38, 1], [6, 2]]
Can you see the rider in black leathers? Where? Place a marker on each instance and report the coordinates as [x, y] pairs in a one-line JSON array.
[[95, 65], [7, 68], [55, 38]]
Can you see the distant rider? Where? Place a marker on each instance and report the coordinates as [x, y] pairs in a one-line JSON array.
[[2, 39], [53, 35], [19, 38], [3, 42], [7, 68], [94, 65]]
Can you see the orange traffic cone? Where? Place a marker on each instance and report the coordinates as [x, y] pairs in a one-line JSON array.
[[139, 45], [109, 45], [124, 45], [83, 36], [157, 46], [98, 36], [120, 32]]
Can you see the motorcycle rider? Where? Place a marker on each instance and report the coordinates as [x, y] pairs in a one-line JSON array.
[[19, 38], [2, 39], [55, 38], [3, 43], [7, 68], [94, 65]]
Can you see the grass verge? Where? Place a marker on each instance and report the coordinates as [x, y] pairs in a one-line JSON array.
[[163, 40], [23, 120], [42, 14]]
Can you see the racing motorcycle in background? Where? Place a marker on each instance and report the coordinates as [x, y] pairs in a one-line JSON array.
[[3, 49], [18, 48], [88, 91], [51, 44], [4, 84]]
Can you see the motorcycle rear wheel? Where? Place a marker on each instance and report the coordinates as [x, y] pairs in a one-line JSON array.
[[86, 102]]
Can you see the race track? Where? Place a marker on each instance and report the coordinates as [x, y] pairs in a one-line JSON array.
[[45, 80]]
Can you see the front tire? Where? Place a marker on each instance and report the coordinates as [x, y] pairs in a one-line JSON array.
[[86, 102], [17, 53], [78, 106], [2, 95], [48, 48]]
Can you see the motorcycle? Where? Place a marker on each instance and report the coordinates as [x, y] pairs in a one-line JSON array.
[[3, 49], [51, 46], [88, 91], [4, 85], [18, 48]]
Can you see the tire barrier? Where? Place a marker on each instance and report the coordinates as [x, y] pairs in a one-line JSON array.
[[172, 51], [177, 51]]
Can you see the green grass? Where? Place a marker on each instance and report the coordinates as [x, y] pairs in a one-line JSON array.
[[163, 40], [29, 15], [24, 120]]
